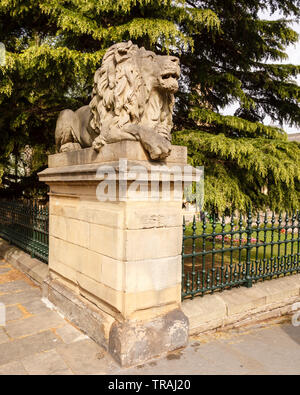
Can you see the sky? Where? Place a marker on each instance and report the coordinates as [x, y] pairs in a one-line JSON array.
[[293, 52]]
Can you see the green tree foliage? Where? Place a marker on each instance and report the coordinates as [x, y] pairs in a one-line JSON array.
[[228, 54], [241, 64]]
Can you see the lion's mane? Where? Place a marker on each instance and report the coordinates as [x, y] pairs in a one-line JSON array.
[[120, 96]]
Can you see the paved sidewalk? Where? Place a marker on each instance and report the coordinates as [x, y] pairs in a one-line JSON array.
[[37, 340]]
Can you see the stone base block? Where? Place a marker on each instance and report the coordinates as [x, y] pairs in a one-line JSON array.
[[84, 315], [132, 342], [129, 342], [132, 150]]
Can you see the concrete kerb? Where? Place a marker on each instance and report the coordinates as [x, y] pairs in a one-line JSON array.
[[242, 306], [36, 270]]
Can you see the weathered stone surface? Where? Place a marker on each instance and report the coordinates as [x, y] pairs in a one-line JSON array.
[[79, 174], [131, 150], [129, 305], [87, 318], [131, 343], [65, 271], [153, 243], [282, 288], [96, 291], [107, 241], [241, 301], [113, 115], [153, 274], [89, 210], [164, 214], [202, 311], [69, 229]]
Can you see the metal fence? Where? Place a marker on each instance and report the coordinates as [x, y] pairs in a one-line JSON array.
[[218, 255], [26, 225]]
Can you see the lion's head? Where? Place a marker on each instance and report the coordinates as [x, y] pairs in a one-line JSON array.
[[134, 86]]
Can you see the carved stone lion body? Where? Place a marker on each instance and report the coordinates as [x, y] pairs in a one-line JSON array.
[[133, 99]]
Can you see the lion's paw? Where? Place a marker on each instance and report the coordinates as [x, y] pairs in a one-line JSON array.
[[157, 146], [98, 143], [70, 147]]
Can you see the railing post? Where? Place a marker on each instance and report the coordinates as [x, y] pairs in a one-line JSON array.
[[298, 241], [182, 260], [248, 246], [33, 213]]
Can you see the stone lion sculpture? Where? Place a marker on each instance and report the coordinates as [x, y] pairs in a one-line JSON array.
[[133, 99]]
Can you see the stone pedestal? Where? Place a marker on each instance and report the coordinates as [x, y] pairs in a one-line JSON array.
[[115, 266]]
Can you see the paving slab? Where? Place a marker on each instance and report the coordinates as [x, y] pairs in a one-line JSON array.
[[46, 363], [13, 313], [293, 332], [3, 336], [14, 286], [35, 324], [69, 334], [270, 350], [206, 359], [37, 340], [4, 270], [20, 297], [273, 350], [86, 357], [35, 306], [15, 368], [21, 348]]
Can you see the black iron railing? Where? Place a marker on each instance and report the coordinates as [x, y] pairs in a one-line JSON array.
[[218, 255], [26, 225]]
